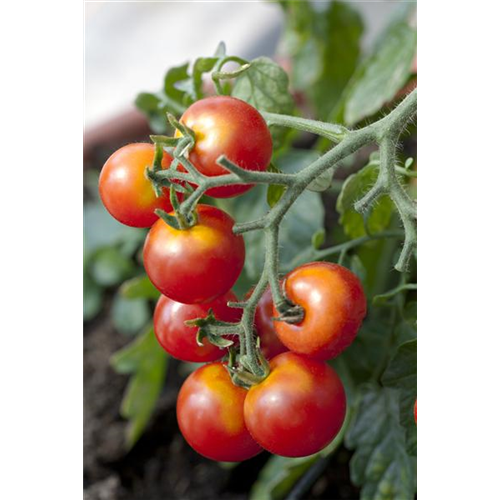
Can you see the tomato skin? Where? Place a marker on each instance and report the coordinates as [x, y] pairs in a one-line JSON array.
[[270, 344], [126, 192], [415, 412], [334, 307], [178, 339], [210, 415], [298, 409], [225, 125], [197, 264]]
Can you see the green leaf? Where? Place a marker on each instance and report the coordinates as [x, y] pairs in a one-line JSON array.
[[172, 78], [265, 86], [368, 350], [382, 74], [401, 374], [201, 65], [353, 189], [274, 191], [108, 267], [322, 182], [380, 464], [147, 362], [342, 37], [357, 267], [323, 41], [408, 163], [318, 238], [154, 108], [129, 315], [278, 476], [100, 229], [171, 98], [139, 287]]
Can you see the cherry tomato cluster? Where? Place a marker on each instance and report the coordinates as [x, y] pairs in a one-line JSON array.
[[300, 406]]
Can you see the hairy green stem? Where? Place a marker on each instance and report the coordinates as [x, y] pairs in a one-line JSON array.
[[330, 131]]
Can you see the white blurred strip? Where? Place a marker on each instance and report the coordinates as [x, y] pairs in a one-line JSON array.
[[128, 46]]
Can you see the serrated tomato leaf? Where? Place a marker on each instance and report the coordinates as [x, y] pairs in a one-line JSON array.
[[380, 464], [264, 85]]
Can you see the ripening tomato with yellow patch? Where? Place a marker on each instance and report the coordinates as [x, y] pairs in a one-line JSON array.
[[179, 340], [227, 126], [197, 264], [298, 409], [210, 415], [334, 306], [125, 190]]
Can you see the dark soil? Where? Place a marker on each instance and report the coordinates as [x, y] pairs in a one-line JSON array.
[[162, 466]]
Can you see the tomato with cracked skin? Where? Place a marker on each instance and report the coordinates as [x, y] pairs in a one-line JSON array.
[[298, 409], [334, 305], [210, 415], [179, 340], [125, 190], [197, 264], [227, 126], [270, 344]]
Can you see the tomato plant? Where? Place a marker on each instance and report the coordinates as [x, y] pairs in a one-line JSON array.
[[227, 126], [330, 276], [210, 415], [197, 264], [334, 305], [178, 339], [298, 409], [125, 190]]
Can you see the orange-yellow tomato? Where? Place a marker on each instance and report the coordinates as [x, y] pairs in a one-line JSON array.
[[125, 190], [210, 415], [334, 305], [227, 126], [298, 409]]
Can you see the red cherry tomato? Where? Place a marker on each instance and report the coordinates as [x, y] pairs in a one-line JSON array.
[[210, 415], [298, 409], [197, 264], [178, 339], [227, 126], [126, 192], [415, 411], [334, 307], [270, 344]]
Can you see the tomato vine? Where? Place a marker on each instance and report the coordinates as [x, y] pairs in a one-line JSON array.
[[384, 132]]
